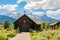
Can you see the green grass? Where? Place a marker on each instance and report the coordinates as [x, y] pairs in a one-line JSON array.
[[45, 35], [7, 34]]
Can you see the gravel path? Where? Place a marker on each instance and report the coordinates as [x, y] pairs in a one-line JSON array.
[[22, 36]]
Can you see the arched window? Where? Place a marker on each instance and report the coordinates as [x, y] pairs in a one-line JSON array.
[[24, 21]]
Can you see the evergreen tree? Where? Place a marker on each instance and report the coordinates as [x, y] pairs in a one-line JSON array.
[[47, 25], [6, 24], [43, 25]]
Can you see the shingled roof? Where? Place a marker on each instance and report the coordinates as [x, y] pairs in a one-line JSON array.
[[37, 21], [55, 23]]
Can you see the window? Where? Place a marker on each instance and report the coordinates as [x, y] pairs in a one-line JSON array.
[[24, 21]]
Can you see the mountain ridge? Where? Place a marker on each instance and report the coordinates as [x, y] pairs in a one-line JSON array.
[[11, 19], [4, 17]]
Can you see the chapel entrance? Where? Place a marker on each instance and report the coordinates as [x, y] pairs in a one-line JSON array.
[[25, 26]]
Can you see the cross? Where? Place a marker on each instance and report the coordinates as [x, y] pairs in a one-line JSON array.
[[24, 12]]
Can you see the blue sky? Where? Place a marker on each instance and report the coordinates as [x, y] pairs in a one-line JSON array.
[[6, 2], [34, 7], [19, 9]]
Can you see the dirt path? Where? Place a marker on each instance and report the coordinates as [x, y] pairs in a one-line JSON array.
[[22, 36]]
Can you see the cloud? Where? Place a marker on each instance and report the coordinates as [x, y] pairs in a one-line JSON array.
[[1, 7], [30, 1], [31, 4], [45, 4], [18, 1], [53, 14], [14, 15], [38, 13], [9, 7]]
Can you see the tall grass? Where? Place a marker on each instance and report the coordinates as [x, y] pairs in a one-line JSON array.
[[45, 35]]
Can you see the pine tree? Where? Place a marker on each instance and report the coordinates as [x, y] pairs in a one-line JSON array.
[[6, 24]]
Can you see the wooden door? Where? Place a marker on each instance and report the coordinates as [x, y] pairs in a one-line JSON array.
[[25, 26]]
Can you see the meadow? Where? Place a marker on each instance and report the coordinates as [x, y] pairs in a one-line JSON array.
[[7, 30], [46, 33]]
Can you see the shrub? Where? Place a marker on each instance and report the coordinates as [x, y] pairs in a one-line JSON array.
[[58, 37], [11, 33], [45, 25], [46, 35], [11, 26], [1, 27], [2, 35]]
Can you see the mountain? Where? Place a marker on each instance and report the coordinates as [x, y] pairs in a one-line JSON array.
[[3, 17], [47, 19], [11, 17], [43, 18], [14, 15]]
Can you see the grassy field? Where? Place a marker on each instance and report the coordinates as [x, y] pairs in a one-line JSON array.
[[6, 35], [44, 32], [7, 31], [45, 35]]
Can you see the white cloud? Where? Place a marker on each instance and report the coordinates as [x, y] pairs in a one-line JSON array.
[[30, 1], [38, 13], [54, 14], [14, 15], [31, 4], [18, 1], [45, 4], [1, 7], [9, 7]]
